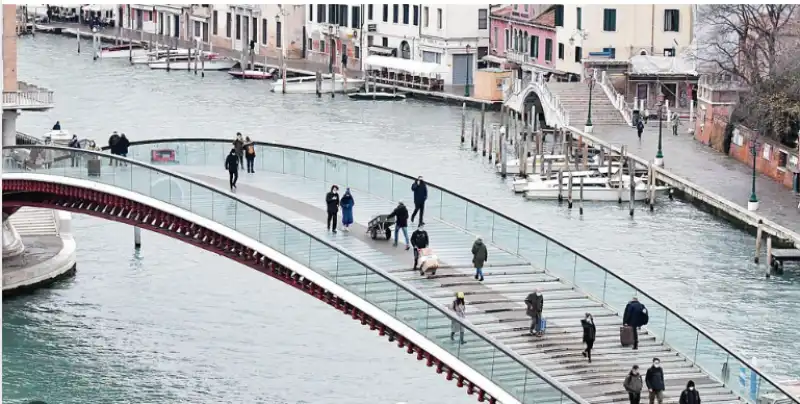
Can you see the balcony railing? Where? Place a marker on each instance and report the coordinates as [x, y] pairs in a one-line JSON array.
[[518, 57], [28, 97]]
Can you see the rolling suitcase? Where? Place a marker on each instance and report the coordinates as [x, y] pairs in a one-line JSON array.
[[93, 166], [542, 325], [626, 335]]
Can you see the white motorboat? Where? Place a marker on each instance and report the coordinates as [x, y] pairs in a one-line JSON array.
[[253, 74], [161, 54], [377, 96], [520, 185], [597, 189], [308, 85], [557, 161], [122, 51], [58, 137], [211, 62]]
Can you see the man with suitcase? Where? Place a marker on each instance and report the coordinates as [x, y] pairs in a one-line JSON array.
[[635, 316], [535, 303], [419, 240]]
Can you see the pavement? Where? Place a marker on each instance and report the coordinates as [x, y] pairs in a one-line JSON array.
[[710, 169]]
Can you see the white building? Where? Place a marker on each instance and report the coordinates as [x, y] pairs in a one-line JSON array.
[[394, 30], [334, 27], [619, 32], [164, 19]]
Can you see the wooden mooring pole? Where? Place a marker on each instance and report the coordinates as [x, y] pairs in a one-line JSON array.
[[758, 240], [463, 121], [769, 255], [580, 198]]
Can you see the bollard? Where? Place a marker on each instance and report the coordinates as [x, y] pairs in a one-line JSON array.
[[79, 41], [483, 120], [560, 185], [758, 240], [483, 136], [769, 255], [569, 191], [463, 120], [621, 164], [651, 182], [580, 198], [137, 237], [631, 185], [503, 161], [318, 80]]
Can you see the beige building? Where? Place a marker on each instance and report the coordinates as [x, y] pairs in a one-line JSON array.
[[271, 26], [620, 31]]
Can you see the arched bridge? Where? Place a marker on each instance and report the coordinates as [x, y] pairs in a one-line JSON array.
[[521, 259]]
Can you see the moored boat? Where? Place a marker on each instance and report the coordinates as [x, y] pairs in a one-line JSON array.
[[253, 74], [377, 96], [122, 51], [597, 189], [210, 62], [308, 85]]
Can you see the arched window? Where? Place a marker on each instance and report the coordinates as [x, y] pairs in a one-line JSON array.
[[405, 50], [516, 40], [525, 43]]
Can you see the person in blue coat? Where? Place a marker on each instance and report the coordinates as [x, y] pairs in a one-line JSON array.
[[420, 196], [347, 203]]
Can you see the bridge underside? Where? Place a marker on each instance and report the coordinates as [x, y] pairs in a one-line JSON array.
[[19, 193]]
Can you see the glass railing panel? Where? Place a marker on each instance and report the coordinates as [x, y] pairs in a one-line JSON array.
[[246, 220], [401, 190], [479, 221], [336, 172], [192, 154], [358, 176], [223, 210], [294, 162], [272, 232], [314, 166], [433, 205], [454, 209], [709, 356], [538, 391], [270, 159], [202, 201], [412, 311], [351, 274], [476, 352], [297, 246], [560, 261], [143, 175], [380, 184], [533, 247], [681, 336], [621, 294], [590, 278], [323, 259], [505, 234]]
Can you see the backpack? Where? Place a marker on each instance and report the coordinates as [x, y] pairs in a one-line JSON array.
[[251, 149], [645, 316]]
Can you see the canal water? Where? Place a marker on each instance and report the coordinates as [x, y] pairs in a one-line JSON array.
[[188, 326]]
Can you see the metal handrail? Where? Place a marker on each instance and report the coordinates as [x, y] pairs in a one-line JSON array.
[[408, 288], [480, 205]]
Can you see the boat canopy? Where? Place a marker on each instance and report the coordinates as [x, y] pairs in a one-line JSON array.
[[99, 7], [405, 65]]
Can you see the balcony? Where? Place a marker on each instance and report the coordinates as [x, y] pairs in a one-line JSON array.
[[200, 11], [518, 57], [28, 97]]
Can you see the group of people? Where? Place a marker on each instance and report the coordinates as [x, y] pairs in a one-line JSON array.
[[333, 203], [642, 121], [118, 144], [243, 149]]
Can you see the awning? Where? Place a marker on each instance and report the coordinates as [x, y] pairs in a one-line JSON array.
[[99, 7], [405, 65], [381, 50], [494, 59]]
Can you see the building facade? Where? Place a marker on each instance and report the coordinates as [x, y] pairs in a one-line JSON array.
[[270, 27], [334, 30], [394, 30], [619, 32], [523, 35]]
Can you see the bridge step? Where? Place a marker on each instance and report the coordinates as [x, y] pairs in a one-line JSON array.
[[35, 222]]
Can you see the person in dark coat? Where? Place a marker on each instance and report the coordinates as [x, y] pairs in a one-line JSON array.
[[74, 156], [654, 379], [633, 385], [419, 240], [249, 153], [57, 126], [401, 213], [332, 203], [640, 128], [112, 143], [480, 254], [535, 303], [420, 196], [690, 395], [347, 202], [634, 318], [232, 165], [238, 146], [589, 334]]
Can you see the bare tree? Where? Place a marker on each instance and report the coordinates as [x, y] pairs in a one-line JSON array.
[[771, 107], [747, 41]]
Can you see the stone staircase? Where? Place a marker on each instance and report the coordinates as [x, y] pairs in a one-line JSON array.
[[35, 222], [574, 99]]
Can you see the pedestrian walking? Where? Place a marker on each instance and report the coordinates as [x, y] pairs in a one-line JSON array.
[[635, 316], [232, 165], [401, 214], [332, 202], [633, 385], [47, 154], [690, 395], [238, 146], [122, 148], [74, 156], [654, 379], [675, 123], [420, 190], [480, 254], [347, 202], [460, 308], [640, 128], [589, 334], [535, 303], [112, 143], [249, 153], [419, 240]]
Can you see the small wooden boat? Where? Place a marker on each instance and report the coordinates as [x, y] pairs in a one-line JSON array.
[[253, 74], [377, 96], [122, 51], [211, 62]]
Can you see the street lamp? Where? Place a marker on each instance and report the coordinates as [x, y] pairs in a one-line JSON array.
[[752, 203], [589, 127], [659, 154], [469, 66]]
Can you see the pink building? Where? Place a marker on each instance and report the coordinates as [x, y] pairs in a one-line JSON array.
[[524, 34]]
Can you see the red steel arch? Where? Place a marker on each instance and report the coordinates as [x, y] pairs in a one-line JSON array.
[[42, 194]]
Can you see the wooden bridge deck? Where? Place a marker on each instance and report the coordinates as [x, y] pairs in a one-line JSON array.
[[495, 305]]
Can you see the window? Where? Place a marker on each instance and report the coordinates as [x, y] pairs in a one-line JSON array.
[[385, 13], [310, 44], [535, 46], [385, 42], [343, 15], [548, 49], [214, 19], [333, 17], [264, 32], [579, 24], [439, 18], [370, 40], [609, 19], [278, 39], [483, 18], [425, 15], [493, 40], [311, 12], [322, 45], [559, 17], [356, 11], [238, 27], [672, 20], [357, 52], [196, 29], [369, 12], [561, 51], [578, 54], [669, 51], [766, 151], [255, 30], [507, 44], [611, 51], [416, 15], [782, 158], [228, 25], [321, 13], [405, 13], [395, 13]]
